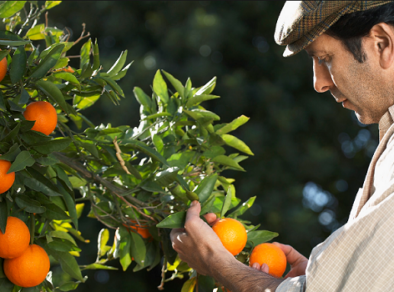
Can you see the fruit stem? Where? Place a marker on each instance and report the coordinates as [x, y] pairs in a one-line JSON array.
[[32, 228]]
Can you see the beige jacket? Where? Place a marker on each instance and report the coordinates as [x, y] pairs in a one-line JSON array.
[[359, 256]]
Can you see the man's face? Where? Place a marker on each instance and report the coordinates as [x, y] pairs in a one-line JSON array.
[[360, 87]]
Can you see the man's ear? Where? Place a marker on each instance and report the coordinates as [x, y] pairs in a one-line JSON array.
[[382, 35]]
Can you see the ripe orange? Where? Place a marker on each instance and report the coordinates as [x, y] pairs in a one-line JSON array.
[[141, 230], [29, 269], [232, 234], [270, 254], [6, 180], [3, 68], [15, 240], [44, 114]]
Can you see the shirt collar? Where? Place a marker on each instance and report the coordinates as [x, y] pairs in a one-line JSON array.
[[386, 121]]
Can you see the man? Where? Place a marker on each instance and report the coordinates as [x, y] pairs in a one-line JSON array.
[[351, 44]]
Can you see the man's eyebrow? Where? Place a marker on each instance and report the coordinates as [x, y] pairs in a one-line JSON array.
[[312, 53]]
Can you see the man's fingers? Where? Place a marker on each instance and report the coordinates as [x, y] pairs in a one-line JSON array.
[[175, 232], [292, 255], [193, 212], [211, 218]]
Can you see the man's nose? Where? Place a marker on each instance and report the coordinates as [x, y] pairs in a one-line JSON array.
[[322, 80]]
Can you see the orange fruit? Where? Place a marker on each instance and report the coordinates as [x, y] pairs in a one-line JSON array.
[[29, 269], [44, 114], [270, 254], [3, 68], [141, 230], [15, 240], [6, 180], [232, 234]]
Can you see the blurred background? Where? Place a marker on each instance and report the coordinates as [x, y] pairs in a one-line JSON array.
[[311, 156]]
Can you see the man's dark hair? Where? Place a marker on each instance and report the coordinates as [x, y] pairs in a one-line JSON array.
[[352, 27]]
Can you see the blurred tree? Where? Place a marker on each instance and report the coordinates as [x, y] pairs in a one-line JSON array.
[[310, 155]]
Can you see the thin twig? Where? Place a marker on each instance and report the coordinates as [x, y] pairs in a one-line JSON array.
[[46, 19], [82, 34], [163, 275], [119, 156]]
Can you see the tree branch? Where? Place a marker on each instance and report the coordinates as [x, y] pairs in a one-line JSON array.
[[98, 179]]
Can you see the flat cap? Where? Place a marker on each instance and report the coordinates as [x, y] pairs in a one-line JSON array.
[[301, 22]]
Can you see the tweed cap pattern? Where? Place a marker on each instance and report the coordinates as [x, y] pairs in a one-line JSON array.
[[301, 22]]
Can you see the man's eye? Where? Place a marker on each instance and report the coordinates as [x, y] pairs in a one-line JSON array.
[[322, 60]]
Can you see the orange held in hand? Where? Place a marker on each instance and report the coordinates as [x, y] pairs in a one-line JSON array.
[[44, 114], [232, 234], [3, 68], [29, 269], [272, 256], [15, 240], [6, 180]]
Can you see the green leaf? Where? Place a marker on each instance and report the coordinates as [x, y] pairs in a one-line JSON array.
[[99, 267], [68, 77], [62, 235], [103, 238], [137, 248], [236, 143], [86, 101], [124, 242], [48, 62], [12, 153], [24, 98], [55, 145], [198, 114], [197, 99], [6, 285], [176, 220], [53, 212], [207, 88], [39, 186], [189, 285], [53, 92], [36, 33], [166, 177], [9, 8], [176, 83], [142, 98], [51, 4], [68, 264], [259, 236], [181, 159], [85, 55], [227, 161], [23, 160], [18, 65], [243, 208], [11, 135], [113, 85], [60, 244], [227, 201], [69, 286], [205, 188], [160, 88], [96, 56], [29, 205], [118, 65], [233, 125], [122, 73], [3, 216], [141, 146], [70, 203], [205, 283]]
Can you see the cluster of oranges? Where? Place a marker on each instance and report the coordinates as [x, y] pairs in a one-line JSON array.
[[233, 236], [25, 264]]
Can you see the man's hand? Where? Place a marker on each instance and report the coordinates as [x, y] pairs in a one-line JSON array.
[[197, 244], [296, 260]]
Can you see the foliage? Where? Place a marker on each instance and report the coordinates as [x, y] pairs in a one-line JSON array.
[[145, 175]]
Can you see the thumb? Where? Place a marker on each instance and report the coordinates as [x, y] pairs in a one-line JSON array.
[[194, 211]]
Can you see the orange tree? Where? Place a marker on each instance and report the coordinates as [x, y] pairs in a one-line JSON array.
[[133, 178]]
